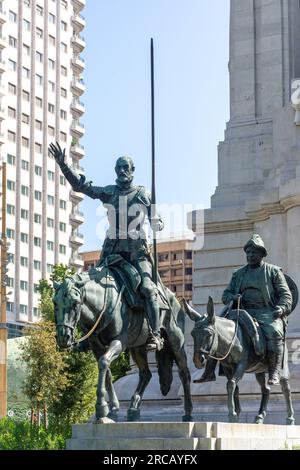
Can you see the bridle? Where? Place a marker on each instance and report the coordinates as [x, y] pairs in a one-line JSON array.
[[208, 353]]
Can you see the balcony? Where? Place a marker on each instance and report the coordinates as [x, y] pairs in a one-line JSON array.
[[3, 16], [2, 114], [77, 151], [78, 86], [78, 64], [2, 89], [78, 43], [77, 107], [77, 239], [77, 197], [2, 138], [77, 129], [3, 42], [77, 263], [79, 4], [2, 65], [78, 22], [76, 218]]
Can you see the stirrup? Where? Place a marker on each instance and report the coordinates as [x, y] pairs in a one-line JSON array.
[[154, 343]]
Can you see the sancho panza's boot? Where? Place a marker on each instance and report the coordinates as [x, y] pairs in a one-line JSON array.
[[275, 362], [209, 373], [155, 342]]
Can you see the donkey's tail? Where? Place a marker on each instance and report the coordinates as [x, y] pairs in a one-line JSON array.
[[165, 360]]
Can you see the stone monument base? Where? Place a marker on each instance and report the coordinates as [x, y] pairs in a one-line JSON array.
[[183, 436]]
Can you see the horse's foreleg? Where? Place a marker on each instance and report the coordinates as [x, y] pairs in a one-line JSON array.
[[185, 377], [286, 390], [114, 350], [114, 405], [232, 416], [265, 395], [139, 355], [237, 403]]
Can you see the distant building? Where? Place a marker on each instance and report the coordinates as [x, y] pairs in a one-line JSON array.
[[175, 265]]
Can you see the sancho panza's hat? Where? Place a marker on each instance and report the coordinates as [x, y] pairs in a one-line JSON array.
[[257, 242]]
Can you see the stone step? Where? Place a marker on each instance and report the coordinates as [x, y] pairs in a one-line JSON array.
[[134, 444], [224, 430], [242, 443]]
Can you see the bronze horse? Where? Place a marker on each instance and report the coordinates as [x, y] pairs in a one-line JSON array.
[[118, 327], [227, 341]]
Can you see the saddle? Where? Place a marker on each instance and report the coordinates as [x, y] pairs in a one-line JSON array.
[[250, 328], [125, 274]]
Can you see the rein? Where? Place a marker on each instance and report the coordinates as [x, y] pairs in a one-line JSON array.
[[220, 359]]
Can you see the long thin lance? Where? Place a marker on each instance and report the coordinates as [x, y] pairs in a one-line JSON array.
[[153, 192]]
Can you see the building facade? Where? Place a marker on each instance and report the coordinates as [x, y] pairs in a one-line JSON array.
[[40, 88]]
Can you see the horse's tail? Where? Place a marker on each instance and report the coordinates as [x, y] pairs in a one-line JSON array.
[[165, 360]]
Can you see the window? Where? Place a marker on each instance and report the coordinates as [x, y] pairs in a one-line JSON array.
[[26, 49], [37, 241], [36, 291], [188, 287], [12, 89], [188, 255], [37, 195], [63, 93], [64, 71], [36, 311], [10, 282], [38, 147], [52, 40], [24, 261], [50, 245], [11, 136], [37, 218], [26, 25], [10, 233], [24, 190], [51, 18], [63, 137], [39, 102], [12, 16], [38, 170], [25, 142], [50, 222], [62, 249], [24, 237], [64, 26], [39, 56], [51, 108], [51, 64], [51, 130], [62, 204], [12, 65], [11, 159], [63, 47], [25, 165], [11, 185], [38, 125], [25, 72], [23, 309], [50, 268], [50, 175], [62, 180], [11, 258], [50, 200], [24, 214], [24, 285], [25, 95], [63, 114], [37, 265], [38, 80], [12, 41], [25, 118], [62, 226], [11, 112], [51, 86], [39, 33], [10, 209], [188, 271], [10, 306], [39, 10]]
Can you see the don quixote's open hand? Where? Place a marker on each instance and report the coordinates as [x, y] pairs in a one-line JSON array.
[[57, 153]]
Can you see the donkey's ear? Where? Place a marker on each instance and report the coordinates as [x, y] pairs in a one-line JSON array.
[[211, 311]]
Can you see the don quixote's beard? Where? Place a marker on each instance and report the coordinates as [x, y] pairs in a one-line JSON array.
[[124, 184]]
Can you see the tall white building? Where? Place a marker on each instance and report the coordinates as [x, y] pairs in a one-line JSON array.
[[40, 88]]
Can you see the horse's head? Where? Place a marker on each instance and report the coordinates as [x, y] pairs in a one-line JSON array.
[[67, 303], [203, 333]]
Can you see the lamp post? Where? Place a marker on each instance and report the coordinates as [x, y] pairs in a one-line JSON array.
[[3, 325]]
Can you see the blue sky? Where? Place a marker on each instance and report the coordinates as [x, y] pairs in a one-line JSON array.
[[191, 39]]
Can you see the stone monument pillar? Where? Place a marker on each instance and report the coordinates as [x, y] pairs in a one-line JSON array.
[[259, 167]]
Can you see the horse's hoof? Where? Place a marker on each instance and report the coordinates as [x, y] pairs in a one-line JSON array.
[[105, 420], [233, 419], [101, 411], [187, 419], [133, 415], [113, 414], [259, 420], [290, 421]]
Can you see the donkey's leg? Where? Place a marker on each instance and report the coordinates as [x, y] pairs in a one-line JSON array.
[[234, 377], [286, 390], [139, 355], [114, 405], [265, 395], [114, 350], [185, 377], [232, 414]]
